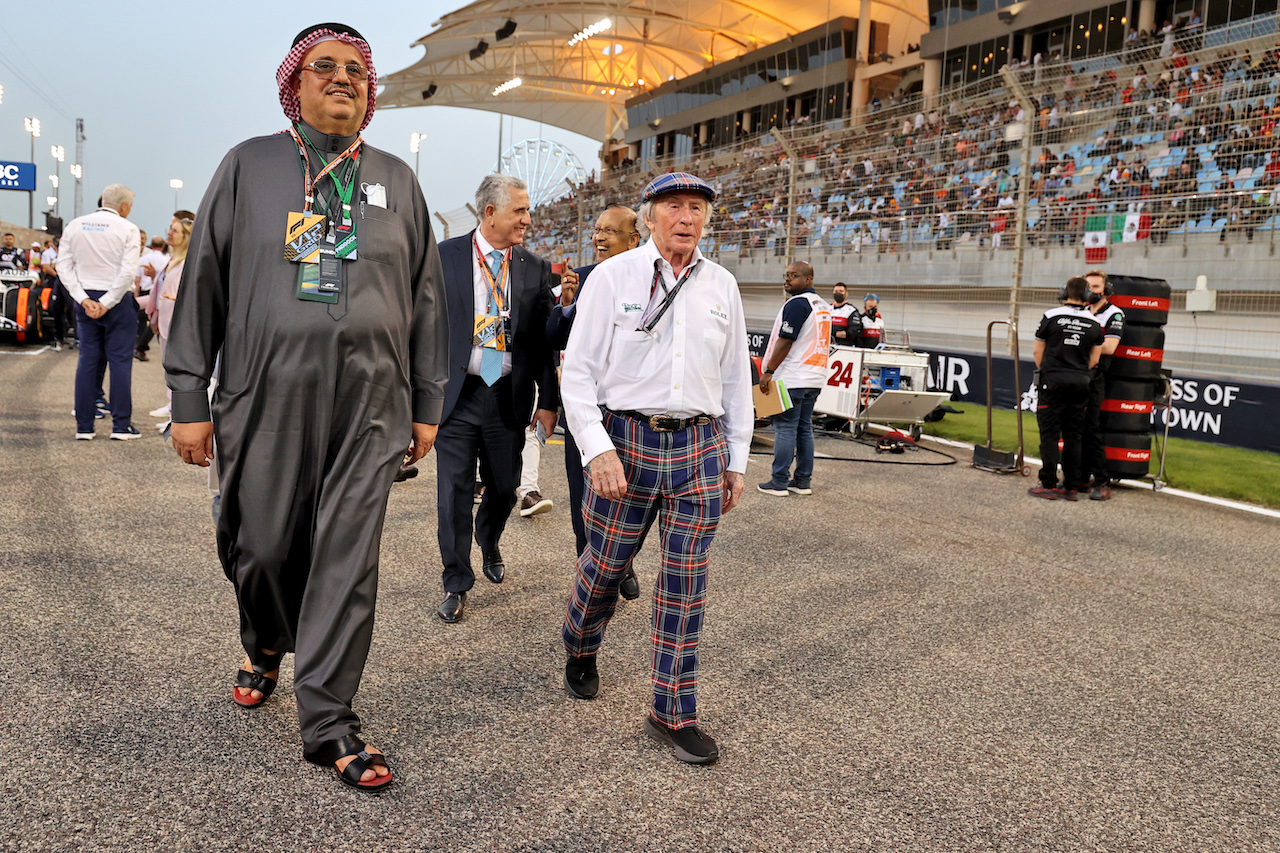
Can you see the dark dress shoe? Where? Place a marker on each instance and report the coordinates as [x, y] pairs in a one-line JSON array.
[[494, 569], [630, 586], [450, 609], [580, 677], [692, 745], [406, 472]]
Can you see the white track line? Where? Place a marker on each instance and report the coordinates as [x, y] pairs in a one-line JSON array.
[[1150, 486]]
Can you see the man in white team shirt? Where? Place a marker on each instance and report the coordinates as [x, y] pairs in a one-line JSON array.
[[99, 256], [797, 357], [153, 260]]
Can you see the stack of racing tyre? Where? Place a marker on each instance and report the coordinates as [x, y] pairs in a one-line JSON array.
[[1133, 377], [21, 316]]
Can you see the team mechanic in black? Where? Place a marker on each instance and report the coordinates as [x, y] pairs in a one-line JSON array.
[[1068, 347], [1093, 451]]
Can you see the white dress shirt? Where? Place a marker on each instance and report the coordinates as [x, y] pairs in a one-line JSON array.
[[99, 251], [158, 260], [480, 287], [694, 362]]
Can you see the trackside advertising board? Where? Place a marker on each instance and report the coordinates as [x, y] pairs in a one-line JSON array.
[[17, 176], [1205, 408]]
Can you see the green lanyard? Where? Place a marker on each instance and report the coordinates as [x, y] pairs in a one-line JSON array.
[[345, 187]]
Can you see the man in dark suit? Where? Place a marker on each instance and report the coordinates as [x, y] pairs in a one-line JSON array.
[[617, 230], [499, 297]]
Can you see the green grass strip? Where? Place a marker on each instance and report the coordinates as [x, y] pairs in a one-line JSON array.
[[1249, 476]]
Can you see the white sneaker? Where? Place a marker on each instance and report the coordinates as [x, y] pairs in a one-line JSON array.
[[84, 436], [162, 412]]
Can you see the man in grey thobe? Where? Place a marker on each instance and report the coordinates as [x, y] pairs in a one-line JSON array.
[[326, 371]]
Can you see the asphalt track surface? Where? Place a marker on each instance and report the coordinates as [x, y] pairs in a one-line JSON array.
[[915, 658]]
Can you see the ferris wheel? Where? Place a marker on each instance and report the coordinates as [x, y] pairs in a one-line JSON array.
[[543, 165]]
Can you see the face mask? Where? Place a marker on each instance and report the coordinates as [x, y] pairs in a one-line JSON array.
[[1094, 298], [838, 300]]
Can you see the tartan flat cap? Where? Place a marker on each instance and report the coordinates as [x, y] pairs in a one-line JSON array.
[[674, 182]]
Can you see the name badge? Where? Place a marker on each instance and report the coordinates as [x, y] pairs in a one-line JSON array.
[[343, 239], [490, 332], [308, 287], [302, 237], [329, 276]]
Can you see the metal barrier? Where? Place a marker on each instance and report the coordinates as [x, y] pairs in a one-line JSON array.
[[986, 458]]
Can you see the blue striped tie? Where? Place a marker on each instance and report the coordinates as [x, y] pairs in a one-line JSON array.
[[490, 358]]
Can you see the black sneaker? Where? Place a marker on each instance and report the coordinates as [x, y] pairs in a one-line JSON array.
[[581, 678], [1100, 493], [1069, 494], [127, 434], [629, 586], [692, 745]]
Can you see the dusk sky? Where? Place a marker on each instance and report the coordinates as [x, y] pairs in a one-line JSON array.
[[166, 89]]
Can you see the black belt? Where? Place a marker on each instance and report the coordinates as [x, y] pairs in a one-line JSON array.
[[665, 423]]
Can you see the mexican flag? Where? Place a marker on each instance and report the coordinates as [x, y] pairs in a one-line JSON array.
[[1137, 226], [1095, 239]]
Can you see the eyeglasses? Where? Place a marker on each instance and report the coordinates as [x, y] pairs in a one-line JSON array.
[[327, 69], [609, 232], [797, 275]]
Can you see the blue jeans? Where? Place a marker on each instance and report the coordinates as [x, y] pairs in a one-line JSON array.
[[793, 439], [111, 339]]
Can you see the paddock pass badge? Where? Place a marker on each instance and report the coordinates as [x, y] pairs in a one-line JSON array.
[[302, 237]]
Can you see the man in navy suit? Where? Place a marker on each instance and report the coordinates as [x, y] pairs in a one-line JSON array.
[[499, 297], [617, 230]]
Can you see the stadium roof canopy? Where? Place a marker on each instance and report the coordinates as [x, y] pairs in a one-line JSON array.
[[582, 86]]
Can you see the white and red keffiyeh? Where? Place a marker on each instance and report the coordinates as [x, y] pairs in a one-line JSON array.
[[308, 39]]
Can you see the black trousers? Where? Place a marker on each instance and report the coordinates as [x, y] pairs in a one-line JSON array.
[[144, 330], [1093, 454], [64, 316], [1060, 415], [481, 427], [576, 473]]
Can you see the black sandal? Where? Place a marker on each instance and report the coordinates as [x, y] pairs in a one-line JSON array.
[[329, 753], [256, 680]]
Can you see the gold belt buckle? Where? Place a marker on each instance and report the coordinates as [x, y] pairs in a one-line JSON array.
[[653, 423]]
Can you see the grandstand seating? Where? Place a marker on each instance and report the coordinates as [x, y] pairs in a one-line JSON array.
[[1108, 141]]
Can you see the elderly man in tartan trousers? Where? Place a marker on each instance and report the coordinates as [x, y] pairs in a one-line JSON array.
[[657, 388]]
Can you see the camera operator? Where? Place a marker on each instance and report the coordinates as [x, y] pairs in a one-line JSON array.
[[1068, 346]]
